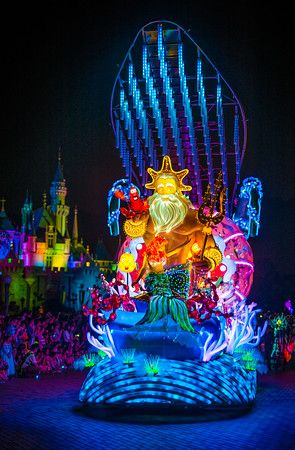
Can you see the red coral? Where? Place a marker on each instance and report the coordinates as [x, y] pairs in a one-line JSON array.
[[106, 304], [203, 304]]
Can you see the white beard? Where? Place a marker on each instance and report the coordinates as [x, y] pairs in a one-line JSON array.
[[168, 211]]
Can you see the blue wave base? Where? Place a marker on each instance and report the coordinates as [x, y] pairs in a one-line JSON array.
[[222, 382]]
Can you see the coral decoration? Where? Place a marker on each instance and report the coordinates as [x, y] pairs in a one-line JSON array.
[[155, 251], [128, 355], [102, 304], [204, 303], [136, 204]]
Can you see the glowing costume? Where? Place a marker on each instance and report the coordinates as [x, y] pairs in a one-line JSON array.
[[163, 303]]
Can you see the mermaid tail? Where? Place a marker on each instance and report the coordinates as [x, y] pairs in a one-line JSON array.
[[161, 306]]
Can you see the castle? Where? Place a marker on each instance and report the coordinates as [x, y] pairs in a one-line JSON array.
[[40, 263]]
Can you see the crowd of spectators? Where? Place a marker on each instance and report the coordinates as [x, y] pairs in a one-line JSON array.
[[34, 344]]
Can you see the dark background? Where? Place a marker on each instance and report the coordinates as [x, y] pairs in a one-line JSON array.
[[59, 61]]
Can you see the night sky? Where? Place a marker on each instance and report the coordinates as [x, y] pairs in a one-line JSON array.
[[59, 61]]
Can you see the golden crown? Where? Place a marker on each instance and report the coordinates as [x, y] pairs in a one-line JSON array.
[[166, 169]]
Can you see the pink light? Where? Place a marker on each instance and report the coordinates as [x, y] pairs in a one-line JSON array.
[[233, 236], [245, 263]]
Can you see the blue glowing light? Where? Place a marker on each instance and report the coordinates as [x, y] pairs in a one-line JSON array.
[[153, 100], [220, 121], [190, 122], [204, 113], [169, 97], [218, 382], [247, 213]]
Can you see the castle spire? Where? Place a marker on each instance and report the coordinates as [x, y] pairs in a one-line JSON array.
[[75, 228], [59, 177], [27, 214], [58, 190]]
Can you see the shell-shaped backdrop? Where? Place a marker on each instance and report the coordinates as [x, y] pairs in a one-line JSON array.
[[170, 99]]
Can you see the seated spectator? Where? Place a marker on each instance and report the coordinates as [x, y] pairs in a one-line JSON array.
[[29, 365], [47, 362], [56, 359], [6, 353]]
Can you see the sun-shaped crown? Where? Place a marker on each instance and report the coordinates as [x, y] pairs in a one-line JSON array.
[[166, 169]]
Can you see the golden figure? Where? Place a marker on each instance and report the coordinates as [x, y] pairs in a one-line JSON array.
[[172, 215]]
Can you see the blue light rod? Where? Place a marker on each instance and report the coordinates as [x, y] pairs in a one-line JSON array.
[[153, 101], [189, 117], [204, 114], [169, 97], [219, 111]]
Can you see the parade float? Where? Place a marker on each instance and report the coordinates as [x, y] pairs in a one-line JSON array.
[[175, 324]]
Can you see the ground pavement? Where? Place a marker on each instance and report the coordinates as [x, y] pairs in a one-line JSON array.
[[46, 414]]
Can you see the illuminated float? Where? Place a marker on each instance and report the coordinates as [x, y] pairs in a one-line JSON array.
[[175, 324]]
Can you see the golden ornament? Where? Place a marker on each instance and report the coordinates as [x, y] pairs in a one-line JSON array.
[[207, 230], [166, 169], [214, 255], [134, 229]]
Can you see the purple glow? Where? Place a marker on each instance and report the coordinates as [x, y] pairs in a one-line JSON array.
[[288, 306], [233, 236]]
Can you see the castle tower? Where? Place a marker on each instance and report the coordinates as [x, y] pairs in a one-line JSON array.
[[58, 193], [27, 215], [75, 228]]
